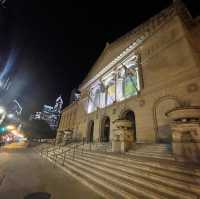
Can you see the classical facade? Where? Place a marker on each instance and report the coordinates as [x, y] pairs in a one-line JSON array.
[[140, 77]]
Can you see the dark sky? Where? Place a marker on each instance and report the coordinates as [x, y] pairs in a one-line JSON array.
[[56, 42]]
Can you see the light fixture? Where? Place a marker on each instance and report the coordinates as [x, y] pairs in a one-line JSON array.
[[10, 127], [10, 115]]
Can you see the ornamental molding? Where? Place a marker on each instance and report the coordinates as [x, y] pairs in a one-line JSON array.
[[145, 30]]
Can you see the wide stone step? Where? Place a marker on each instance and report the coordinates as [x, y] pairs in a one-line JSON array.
[[176, 173], [103, 186], [126, 175], [152, 155], [99, 186], [152, 150], [146, 183], [167, 184], [148, 151], [172, 166], [130, 189]]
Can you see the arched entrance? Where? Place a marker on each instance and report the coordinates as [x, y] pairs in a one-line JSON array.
[[161, 122], [105, 129], [130, 115], [90, 132]]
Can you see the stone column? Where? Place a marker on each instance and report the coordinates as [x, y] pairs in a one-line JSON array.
[[59, 137]]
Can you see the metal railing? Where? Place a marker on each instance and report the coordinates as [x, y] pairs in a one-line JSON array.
[[63, 154], [70, 150]]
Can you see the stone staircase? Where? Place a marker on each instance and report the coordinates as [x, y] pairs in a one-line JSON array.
[[158, 151], [99, 146], [130, 176]]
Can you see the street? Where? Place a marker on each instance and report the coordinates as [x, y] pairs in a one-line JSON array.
[[23, 171]]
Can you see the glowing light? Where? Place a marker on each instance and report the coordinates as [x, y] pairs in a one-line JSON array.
[[10, 127], [2, 130], [17, 134], [14, 132], [10, 115], [10, 62]]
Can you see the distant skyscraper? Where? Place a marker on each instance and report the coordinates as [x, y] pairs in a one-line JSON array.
[[58, 105], [49, 114]]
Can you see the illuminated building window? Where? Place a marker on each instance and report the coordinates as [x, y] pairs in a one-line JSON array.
[[116, 86], [110, 93], [119, 84]]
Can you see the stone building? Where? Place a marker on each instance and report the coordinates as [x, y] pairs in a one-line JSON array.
[[140, 77], [67, 124], [144, 88]]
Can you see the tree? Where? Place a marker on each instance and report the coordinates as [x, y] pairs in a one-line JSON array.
[[38, 129]]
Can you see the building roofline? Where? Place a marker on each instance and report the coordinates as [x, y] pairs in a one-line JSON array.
[[147, 28]]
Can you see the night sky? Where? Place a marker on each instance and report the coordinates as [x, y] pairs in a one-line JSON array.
[[56, 43]]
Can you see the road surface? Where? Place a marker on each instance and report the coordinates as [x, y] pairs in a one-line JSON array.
[[23, 171]]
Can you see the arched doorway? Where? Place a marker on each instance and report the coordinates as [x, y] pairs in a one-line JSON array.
[[161, 122], [130, 115], [105, 129], [90, 131]]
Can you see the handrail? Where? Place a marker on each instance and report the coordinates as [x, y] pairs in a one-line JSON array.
[[64, 152], [57, 154], [50, 149], [44, 149], [73, 147]]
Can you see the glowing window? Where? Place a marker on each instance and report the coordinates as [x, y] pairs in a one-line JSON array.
[[111, 94]]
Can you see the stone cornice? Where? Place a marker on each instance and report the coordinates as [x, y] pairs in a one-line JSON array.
[[139, 35]]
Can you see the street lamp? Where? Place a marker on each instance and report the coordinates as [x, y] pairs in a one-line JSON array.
[[10, 116], [10, 127]]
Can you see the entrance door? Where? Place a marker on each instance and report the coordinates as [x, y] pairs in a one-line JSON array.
[[90, 131], [163, 134], [105, 134], [129, 115]]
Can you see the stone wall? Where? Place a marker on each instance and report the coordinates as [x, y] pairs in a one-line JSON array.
[[170, 76], [68, 119]]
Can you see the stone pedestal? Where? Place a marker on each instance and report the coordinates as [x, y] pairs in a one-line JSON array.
[[123, 137], [67, 137], [185, 126], [59, 138], [186, 141]]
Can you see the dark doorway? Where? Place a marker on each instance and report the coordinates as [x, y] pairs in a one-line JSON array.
[[161, 107], [130, 115], [105, 131], [90, 131]]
